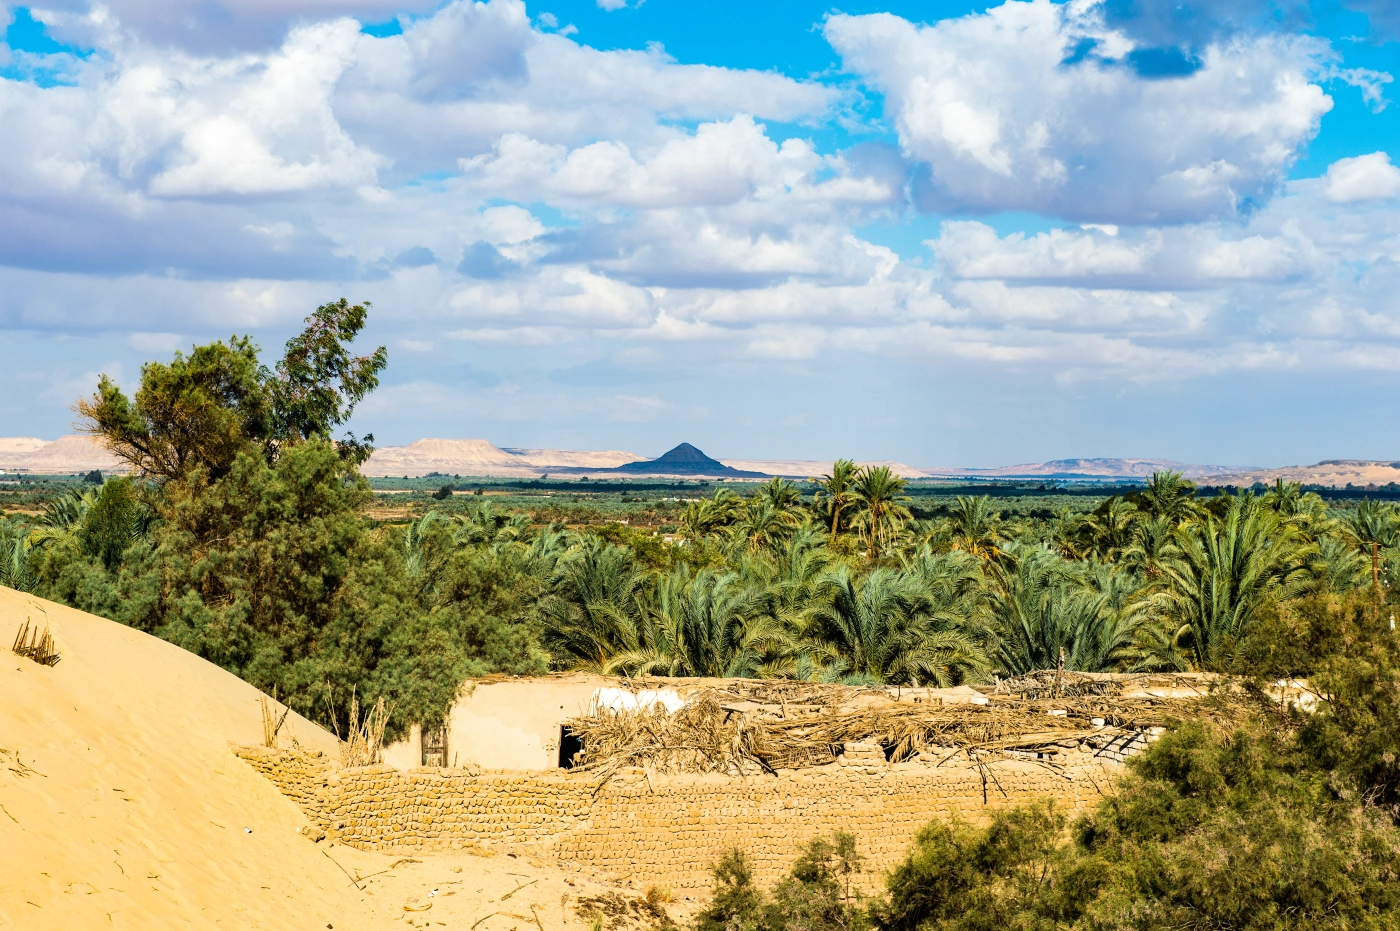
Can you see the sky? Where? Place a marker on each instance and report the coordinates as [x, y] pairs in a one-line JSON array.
[[947, 233]]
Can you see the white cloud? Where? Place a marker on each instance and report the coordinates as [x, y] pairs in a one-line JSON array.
[[1370, 83], [1004, 118], [508, 196], [1178, 257], [266, 125], [1365, 177]]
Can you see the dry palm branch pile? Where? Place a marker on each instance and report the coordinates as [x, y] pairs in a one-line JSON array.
[[752, 726], [38, 647]]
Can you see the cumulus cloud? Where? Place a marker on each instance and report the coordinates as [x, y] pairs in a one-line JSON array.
[[542, 203], [1365, 177], [1032, 106]]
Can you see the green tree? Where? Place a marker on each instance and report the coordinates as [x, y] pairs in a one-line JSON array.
[[319, 382], [15, 570], [836, 494], [197, 411], [883, 627], [1046, 611], [702, 624], [201, 411], [881, 499], [1229, 569], [977, 527], [593, 613], [1168, 495], [1374, 527]]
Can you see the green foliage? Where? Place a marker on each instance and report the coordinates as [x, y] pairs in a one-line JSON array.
[[816, 895], [1281, 821], [1230, 567], [195, 411], [318, 382], [199, 412]]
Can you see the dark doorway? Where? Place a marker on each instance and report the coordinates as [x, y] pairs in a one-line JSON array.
[[570, 748], [435, 747]]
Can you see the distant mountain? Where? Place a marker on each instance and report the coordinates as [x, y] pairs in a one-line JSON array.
[[686, 460], [812, 468], [67, 454], [75, 453], [1103, 469], [1056, 469], [1335, 473], [479, 457]]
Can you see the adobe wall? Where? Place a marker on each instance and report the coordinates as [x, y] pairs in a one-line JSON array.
[[669, 830]]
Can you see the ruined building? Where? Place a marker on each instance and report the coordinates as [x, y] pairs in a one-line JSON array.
[[652, 780]]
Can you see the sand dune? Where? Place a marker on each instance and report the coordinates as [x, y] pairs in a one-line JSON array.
[[121, 806]]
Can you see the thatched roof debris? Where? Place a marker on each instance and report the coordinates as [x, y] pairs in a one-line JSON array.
[[744, 727]]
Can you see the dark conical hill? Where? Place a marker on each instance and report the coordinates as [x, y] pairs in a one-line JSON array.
[[686, 460]]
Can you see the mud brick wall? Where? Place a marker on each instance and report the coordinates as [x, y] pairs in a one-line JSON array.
[[298, 774], [669, 830], [381, 808]]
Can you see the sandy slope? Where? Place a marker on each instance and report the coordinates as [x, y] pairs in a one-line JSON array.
[[123, 807]]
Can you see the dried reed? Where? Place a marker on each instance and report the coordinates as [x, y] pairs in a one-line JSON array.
[[33, 645], [365, 738], [740, 730], [271, 721]]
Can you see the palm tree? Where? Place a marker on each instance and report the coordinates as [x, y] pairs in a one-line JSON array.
[[1374, 527], [763, 525], [702, 624], [707, 515], [1168, 495], [1337, 565], [836, 494], [593, 613], [423, 544], [782, 494], [880, 494], [1228, 569], [878, 628], [14, 556], [1047, 613], [977, 528], [1110, 528], [1285, 498], [1153, 543]]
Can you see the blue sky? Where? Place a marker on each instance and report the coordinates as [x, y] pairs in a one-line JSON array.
[[944, 233]]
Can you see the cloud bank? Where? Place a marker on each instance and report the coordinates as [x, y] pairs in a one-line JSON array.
[[618, 221]]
